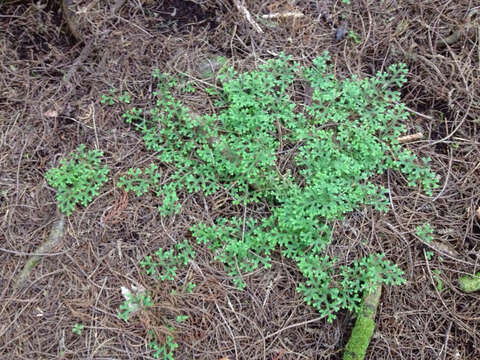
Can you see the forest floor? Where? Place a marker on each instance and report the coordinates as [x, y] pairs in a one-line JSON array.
[[57, 61]]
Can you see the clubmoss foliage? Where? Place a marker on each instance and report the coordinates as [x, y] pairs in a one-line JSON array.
[[78, 179], [344, 137]]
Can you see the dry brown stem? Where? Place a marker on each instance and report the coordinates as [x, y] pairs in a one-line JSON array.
[[294, 14], [410, 138]]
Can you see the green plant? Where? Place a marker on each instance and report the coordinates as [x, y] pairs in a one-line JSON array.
[[77, 329], [189, 288], [439, 283], [133, 303], [429, 254], [163, 265], [181, 318], [164, 351], [79, 179], [353, 35], [425, 232], [112, 98], [108, 99], [141, 181], [125, 98], [334, 146]]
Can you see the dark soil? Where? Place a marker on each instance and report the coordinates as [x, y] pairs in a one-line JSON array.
[[51, 84]]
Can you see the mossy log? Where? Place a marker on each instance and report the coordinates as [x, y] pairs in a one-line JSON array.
[[364, 326], [470, 283]]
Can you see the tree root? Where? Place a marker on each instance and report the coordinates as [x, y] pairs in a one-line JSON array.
[[56, 234], [69, 16]]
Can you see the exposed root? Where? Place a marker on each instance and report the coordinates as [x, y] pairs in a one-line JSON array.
[[56, 233]]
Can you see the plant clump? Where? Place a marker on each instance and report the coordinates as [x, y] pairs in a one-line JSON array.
[[337, 142], [78, 179]]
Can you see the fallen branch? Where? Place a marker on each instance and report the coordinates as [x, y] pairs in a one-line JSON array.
[[364, 326]]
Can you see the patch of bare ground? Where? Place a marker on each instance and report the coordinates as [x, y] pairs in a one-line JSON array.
[[54, 69]]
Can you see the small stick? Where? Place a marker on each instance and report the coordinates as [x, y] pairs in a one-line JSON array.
[[445, 344], [419, 114], [409, 138], [293, 326], [294, 14], [247, 16], [478, 212], [280, 354]]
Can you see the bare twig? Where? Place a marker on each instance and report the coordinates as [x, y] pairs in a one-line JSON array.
[[229, 329], [294, 14], [294, 326], [445, 344], [419, 114], [241, 7]]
